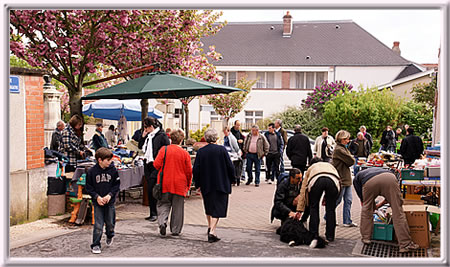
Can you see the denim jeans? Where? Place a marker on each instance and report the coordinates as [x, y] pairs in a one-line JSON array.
[[346, 194], [103, 215], [355, 167], [253, 158], [282, 162]]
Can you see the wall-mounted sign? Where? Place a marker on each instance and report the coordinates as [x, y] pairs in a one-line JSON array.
[[14, 84]]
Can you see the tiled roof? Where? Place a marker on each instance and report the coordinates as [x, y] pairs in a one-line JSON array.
[[407, 71], [326, 43]]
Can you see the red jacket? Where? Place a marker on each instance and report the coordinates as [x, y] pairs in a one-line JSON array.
[[177, 171]]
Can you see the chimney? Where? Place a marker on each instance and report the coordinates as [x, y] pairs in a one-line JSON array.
[[396, 48], [287, 25]]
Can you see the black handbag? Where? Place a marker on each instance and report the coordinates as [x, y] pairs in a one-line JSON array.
[[157, 188]]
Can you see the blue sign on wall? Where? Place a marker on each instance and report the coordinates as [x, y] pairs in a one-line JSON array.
[[14, 84]]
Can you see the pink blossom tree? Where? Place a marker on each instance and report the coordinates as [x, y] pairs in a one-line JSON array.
[[231, 104], [70, 44]]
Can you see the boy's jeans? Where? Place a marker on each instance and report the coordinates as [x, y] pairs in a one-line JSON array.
[[103, 215]]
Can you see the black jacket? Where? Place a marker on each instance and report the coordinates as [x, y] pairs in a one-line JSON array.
[[239, 136], [387, 139], [283, 200], [298, 149], [99, 140], [411, 148], [213, 169], [353, 147], [159, 140], [56, 140], [101, 182]]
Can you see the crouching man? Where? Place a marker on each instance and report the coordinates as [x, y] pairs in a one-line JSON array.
[[286, 196], [374, 182]]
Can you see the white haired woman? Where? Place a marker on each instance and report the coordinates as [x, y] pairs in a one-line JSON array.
[[213, 173]]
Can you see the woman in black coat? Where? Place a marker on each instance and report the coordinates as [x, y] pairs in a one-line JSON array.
[[213, 173]]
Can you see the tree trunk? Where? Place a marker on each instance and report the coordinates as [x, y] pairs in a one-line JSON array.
[[186, 120], [75, 102], [76, 106], [144, 111]]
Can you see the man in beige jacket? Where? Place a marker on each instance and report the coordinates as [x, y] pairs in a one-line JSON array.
[[255, 147], [319, 178]]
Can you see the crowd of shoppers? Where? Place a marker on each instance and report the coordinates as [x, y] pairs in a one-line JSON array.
[[326, 173]]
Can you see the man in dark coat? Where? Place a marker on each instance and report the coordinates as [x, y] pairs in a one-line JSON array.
[[235, 130], [285, 202], [152, 139], [299, 149], [279, 128], [275, 150], [57, 136], [411, 147], [99, 140], [387, 141]]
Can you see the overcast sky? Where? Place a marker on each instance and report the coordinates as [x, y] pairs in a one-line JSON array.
[[418, 31]]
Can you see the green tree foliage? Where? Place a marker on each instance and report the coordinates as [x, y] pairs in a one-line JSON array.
[[197, 135], [425, 92], [310, 121], [324, 93], [418, 116], [371, 107], [228, 105]]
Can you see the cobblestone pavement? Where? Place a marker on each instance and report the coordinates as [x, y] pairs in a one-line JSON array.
[[246, 232]]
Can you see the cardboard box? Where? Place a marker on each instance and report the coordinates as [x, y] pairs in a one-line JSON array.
[[413, 202], [418, 222], [412, 197], [433, 171]]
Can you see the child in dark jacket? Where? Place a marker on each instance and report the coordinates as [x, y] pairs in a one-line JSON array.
[[103, 184]]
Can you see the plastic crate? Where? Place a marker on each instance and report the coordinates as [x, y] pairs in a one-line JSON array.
[[382, 231], [408, 174]]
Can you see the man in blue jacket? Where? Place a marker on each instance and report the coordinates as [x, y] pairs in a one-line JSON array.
[[273, 157], [99, 140]]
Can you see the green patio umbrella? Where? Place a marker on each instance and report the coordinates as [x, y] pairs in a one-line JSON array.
[[161, 85]]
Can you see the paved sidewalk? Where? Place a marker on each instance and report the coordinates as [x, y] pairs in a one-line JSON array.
[[246, 232]]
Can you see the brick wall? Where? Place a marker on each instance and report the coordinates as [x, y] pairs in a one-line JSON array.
[[34, 107]]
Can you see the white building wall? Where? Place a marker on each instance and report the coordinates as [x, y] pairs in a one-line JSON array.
[[271, 101], [367, 76], [17, 132]]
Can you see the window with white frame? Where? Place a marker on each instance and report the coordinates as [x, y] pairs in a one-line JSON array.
[[309, 80], [214, 116], [253, 116], [265, 80], [229, 78]]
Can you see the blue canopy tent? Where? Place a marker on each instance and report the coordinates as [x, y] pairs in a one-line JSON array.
[[112, 109]]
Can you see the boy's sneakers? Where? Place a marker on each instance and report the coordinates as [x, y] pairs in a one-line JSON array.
[[109, 241], [96, 250], [352, 224]]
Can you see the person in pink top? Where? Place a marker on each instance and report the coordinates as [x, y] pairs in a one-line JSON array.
[[255, 147], [176, 183]]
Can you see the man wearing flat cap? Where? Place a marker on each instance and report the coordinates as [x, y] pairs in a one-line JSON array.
[[99, 140]]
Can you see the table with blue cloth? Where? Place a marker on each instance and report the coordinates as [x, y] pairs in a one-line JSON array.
[[129, 177]]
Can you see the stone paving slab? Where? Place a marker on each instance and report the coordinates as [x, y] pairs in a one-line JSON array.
[[139, 238]]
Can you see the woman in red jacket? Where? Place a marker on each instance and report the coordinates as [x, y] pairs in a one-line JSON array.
[[177, 177]]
